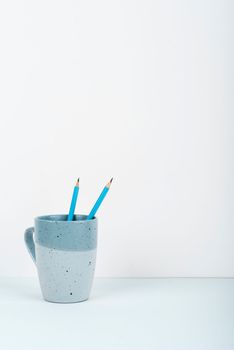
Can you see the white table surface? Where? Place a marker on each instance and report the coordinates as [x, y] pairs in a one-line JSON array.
[[170, 313]]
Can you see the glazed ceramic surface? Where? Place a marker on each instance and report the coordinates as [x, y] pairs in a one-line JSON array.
[[65, 256]]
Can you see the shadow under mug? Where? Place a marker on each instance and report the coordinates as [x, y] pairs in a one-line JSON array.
[[65, 256]]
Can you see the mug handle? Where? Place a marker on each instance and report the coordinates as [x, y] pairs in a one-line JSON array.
[[28, 239]]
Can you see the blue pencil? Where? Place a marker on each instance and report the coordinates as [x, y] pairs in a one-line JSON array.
[[99, 200], [73, 202]]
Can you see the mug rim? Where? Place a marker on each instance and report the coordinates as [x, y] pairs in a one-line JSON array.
[[52, 217]]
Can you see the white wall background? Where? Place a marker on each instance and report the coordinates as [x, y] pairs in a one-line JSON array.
[[138, 90]]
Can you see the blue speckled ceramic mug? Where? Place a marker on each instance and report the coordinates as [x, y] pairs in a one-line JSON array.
[[65, 256]]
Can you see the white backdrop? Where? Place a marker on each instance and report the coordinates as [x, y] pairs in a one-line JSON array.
[[138, 90]]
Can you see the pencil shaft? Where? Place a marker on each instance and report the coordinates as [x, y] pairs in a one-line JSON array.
[[73, 203], [98, 203]]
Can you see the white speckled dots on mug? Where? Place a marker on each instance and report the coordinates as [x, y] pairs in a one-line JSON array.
[[65, 255]]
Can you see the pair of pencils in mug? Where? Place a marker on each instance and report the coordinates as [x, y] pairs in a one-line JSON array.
[[96, 205]]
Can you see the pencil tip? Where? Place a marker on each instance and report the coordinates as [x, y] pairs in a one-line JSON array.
[[111, 180], [77, 182]]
